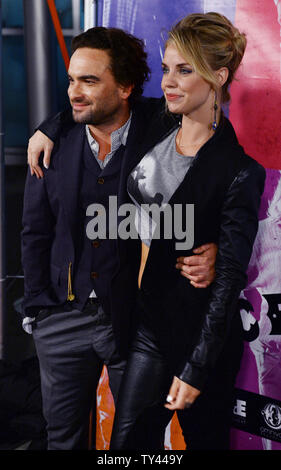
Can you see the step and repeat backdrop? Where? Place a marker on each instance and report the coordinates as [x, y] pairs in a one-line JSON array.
[[255, 113]]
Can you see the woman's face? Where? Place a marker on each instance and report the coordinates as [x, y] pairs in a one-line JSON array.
[[185, 91]]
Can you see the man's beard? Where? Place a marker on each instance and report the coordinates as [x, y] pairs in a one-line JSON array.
[[94, 118], [87, 117]]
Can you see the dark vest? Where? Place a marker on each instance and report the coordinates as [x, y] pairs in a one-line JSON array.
[[97, 260]]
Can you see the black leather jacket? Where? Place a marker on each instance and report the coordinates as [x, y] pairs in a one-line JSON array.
[[193, 325]]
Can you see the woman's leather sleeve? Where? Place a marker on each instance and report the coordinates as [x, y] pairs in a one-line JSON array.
[[238, 228]]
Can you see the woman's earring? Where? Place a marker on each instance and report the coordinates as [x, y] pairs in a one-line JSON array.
[[215, 124]]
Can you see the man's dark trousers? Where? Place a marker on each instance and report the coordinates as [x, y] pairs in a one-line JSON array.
[[72, 347]]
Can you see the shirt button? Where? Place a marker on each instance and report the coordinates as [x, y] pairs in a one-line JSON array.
[[96, 243], [94, 275], [100, 180]]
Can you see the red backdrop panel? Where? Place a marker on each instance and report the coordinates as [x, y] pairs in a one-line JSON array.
[[256, 98]]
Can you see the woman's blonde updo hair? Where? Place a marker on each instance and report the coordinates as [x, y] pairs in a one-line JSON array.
[[209, 41]]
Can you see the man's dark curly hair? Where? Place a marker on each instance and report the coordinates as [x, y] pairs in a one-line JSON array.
[[128, 58]]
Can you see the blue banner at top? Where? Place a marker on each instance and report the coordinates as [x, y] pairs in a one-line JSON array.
[[150, 20]]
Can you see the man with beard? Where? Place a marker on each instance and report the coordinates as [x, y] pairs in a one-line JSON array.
[[80, 293]]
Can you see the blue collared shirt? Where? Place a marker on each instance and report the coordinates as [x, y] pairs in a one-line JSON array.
[[118, 137]]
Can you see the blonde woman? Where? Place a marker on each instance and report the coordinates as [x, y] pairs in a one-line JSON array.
[[188, 346]]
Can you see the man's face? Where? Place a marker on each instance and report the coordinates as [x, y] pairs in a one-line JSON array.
[[94, 95]]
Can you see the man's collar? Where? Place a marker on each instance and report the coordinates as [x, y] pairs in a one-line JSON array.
[[118, 137]]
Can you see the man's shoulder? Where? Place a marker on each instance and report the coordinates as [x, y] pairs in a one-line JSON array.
[[148, 105], [70, 140], [69, 132], [152, 112]]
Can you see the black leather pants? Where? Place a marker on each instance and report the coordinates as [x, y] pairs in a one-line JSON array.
[[141, 418]]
